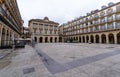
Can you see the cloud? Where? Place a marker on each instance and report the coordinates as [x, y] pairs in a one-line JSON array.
[[58, 10]]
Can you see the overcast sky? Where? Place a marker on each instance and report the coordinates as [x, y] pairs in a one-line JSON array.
[[60, 11]]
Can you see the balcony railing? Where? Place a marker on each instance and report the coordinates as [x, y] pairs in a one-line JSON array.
[[110, 20], [4, 14]]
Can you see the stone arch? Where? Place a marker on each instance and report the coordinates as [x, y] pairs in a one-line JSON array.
[[97, 38], [35, 38], [40, 39], [46, 39], [83, 39], [55, 39], [111, 38], [118, 38], [92, 39], [80, 39], [87, 39], [103, 38], [60, 39], [51, 39]]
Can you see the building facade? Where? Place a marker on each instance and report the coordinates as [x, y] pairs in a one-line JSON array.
[[98, 26], [44, 30], [11, 23]]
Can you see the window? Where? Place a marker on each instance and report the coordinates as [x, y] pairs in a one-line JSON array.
[[40, 31], [50, 32], [118, 8], [118, 25]]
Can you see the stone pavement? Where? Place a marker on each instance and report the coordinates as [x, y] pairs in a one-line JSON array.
[[63, 60], [5, 52], [23, 63]]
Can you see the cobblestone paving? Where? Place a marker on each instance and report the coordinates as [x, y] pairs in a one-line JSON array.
[[63, 60]]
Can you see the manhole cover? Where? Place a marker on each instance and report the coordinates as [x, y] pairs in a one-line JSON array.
[[28, 70]]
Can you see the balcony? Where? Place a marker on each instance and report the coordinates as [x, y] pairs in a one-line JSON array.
[[96, 23], [96, 17], [109, 19], [118, 18], [5, 18], [102, 21]]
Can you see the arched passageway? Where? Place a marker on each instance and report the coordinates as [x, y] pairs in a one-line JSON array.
[[87, 39], [83, 39], [103, 38], [46, 39], [80, 39], [55, 39], [111, 38], [40, 40], [97, 38], [51, 39], [92, 39], [118, 38], [60, 39], [35, 38]]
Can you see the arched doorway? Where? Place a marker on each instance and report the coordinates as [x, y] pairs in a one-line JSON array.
[[3, 38], [80, 39], [40, 40], [87, 39], [76, 39], [83, 39], [103, 38], [55, 39], [97, 38], [46, 39], [35, 39], [51, 39], [92, 39], [60, 39], [118, 38], [111, 38]]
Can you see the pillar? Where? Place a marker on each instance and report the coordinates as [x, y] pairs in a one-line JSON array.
[[107, 39], [115, 38], [100, 40], [94, 38]]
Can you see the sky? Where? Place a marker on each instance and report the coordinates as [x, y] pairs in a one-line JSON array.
[[60, 11]]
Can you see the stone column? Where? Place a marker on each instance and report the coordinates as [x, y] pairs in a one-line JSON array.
[[53, 39], [43, 39], [5, 42], [58, 39], [100, 40], [94, 39], [48, 39], [107, 39], [78, 39], [37, 39], [115, 38], [85, 39]]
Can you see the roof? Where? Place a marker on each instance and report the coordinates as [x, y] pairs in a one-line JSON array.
[[43, 21]]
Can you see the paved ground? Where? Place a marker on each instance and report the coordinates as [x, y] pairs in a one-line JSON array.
[[63, 60]]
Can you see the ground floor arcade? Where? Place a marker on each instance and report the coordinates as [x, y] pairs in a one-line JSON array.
[[47, 39], [6, 35], [109, 37]]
